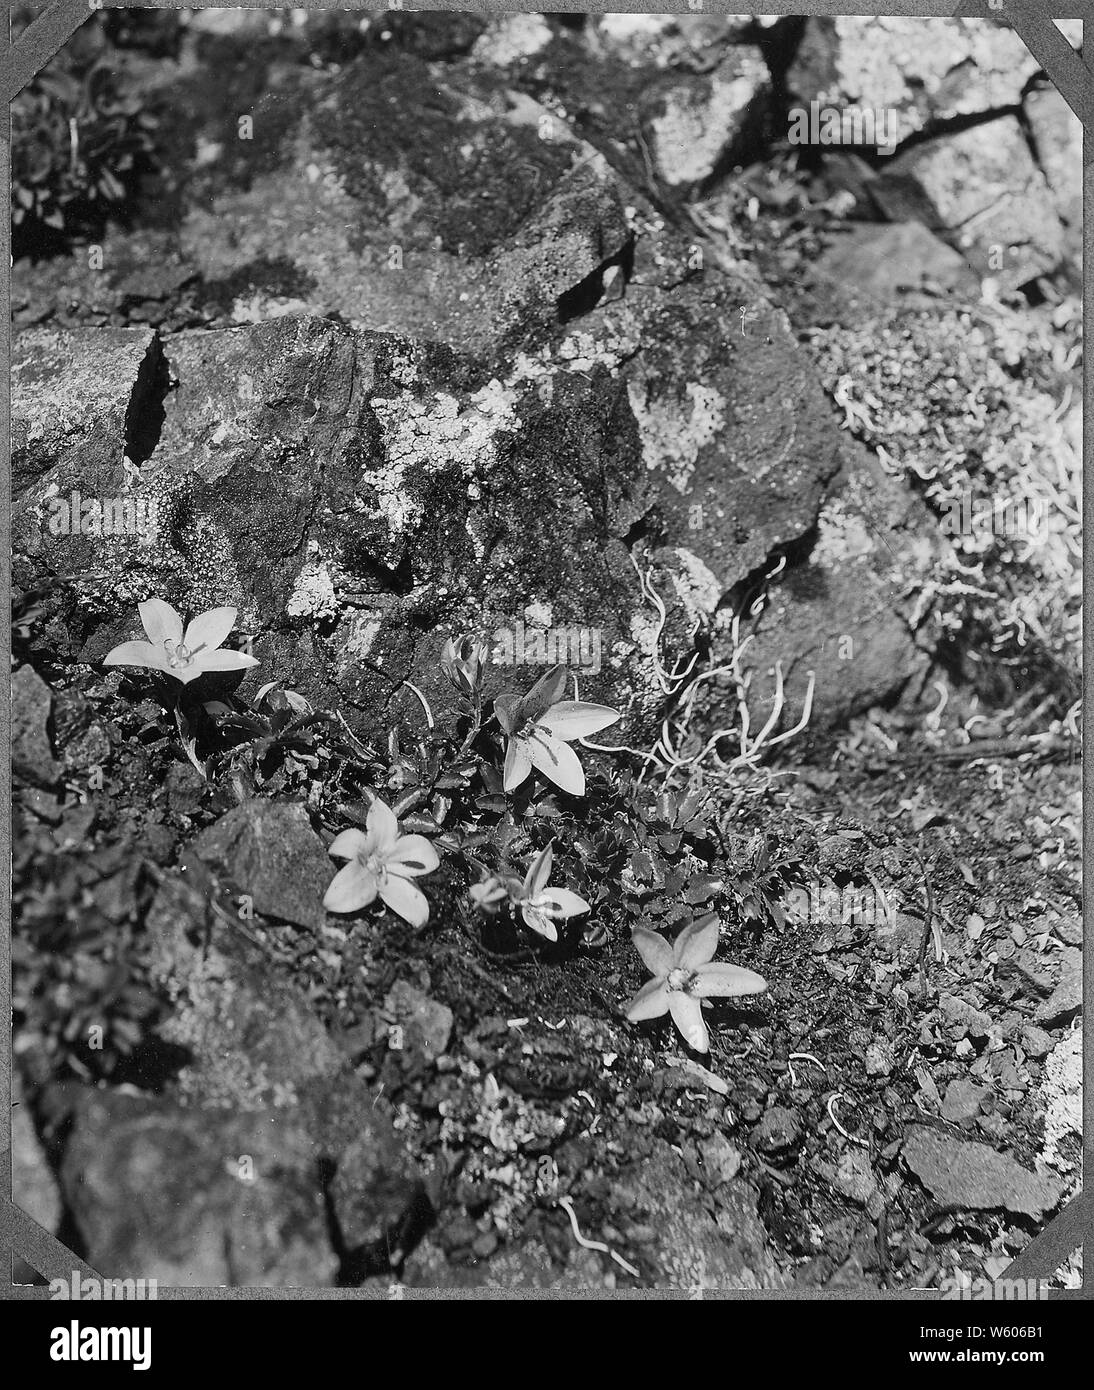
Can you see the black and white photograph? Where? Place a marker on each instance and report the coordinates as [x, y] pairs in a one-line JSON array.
[[546, 696]]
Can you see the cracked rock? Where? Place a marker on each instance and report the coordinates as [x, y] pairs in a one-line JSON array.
[[970, 67], [989, 195]]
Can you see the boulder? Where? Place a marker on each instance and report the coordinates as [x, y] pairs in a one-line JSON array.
[[989, 196]]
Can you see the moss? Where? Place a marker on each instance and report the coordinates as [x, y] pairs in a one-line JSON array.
[[476, 183]]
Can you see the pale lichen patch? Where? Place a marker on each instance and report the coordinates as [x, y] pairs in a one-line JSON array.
[[673, 436], [696, 586]]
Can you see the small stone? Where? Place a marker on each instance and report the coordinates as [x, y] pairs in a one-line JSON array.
[[485, 1244], [962, 1019], [879, 1059], [720, 1159], [31, 753], [961, 1174], [963, 1100], [852, 1174], [270, 852], [426, 1024], [1067, 997], [886, 259], [779, 1131], [1068, 929], [375, 1184], [1036, 1042]]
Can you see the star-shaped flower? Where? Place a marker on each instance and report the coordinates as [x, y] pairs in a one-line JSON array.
[[187, 655], [685, 973], [381, 863], [540, 906], [540, 726]]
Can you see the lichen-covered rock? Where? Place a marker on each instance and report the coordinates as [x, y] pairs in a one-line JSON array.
[[843, 613], [990, 196], [482, 378], [77, 401], [966, 67], [425, 1024], [698, 122]]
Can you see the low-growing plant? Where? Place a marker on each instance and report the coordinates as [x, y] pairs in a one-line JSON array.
[[81, 137], [684, 975]]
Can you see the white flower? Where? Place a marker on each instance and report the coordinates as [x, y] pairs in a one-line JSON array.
[[186, 656], [381, 863], [540, 727], [541, 906], [684, 973]]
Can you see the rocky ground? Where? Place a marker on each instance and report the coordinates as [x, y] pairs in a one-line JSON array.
[[429, 324]]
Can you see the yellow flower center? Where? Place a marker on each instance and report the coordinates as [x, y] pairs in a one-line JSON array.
[[680, 979]]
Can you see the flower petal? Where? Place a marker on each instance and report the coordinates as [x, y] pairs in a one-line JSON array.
[[654, 950], [190, 672], [726, 981], [517, 765], [160, 622], [572, 719], [348, 844], [558, 762], [352, 888], [137, 654], [541, 925], [382, 825], [543, 694], [506, 708], [208, 630], [697, 943], [402, 897], [563, 902], [411, 856], [222, 661], [651, 1001], [539, 871], [687, 1014]]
